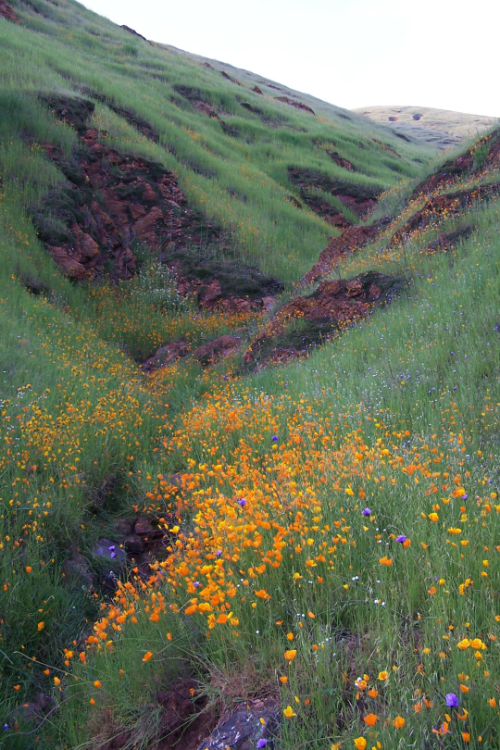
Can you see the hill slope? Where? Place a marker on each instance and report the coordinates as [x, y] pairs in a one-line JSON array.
[[239, 154], [439, 127], [198, 546]]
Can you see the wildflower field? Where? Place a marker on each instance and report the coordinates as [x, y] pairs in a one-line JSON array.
[[322, 537]]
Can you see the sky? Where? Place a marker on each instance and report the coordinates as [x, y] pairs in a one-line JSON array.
[[352, 53]]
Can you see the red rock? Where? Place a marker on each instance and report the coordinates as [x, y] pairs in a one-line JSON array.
[[211, 293], [68, 265], [334, 304], [166, 355], [216, 349], [88, 247], [350, 240], [7, 12], [145, 227]]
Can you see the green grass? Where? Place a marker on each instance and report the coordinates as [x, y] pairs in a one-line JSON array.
[[209, 162]]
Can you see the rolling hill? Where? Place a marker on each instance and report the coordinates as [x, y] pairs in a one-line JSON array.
[[439, 127]]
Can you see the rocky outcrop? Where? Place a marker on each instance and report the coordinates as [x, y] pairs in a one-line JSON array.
[[358, 197], [246, 728], [350, 240], [7, 12], [486, 153], [443, 206], [216, 349], [113, 200], [165, 355], [307, 321]]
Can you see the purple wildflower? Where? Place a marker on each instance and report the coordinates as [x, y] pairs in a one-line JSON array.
[[274, 438], [452, 700], [242, 502], [261, 743], [366, 512], [401, 538], [196, 583]]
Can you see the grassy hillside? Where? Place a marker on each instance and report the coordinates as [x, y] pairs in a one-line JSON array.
[[305, 549], [231, 147]]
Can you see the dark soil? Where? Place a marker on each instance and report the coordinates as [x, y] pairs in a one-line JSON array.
[[306, 322], [7, 12], [348, 242]]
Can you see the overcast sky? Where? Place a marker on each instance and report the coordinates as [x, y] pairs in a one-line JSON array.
[[353, 53]]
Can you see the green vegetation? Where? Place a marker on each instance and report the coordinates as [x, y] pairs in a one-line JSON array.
[[321, 536]]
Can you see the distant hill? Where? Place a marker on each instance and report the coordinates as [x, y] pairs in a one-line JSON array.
[[441, 128]]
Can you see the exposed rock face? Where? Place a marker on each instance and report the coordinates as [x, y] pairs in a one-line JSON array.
[[165, 355], [443, 205], [307, 321], [132, 31], [340, 161], [114, 200], [243, 729], [350, 240], [215, 350], [486, 153]]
